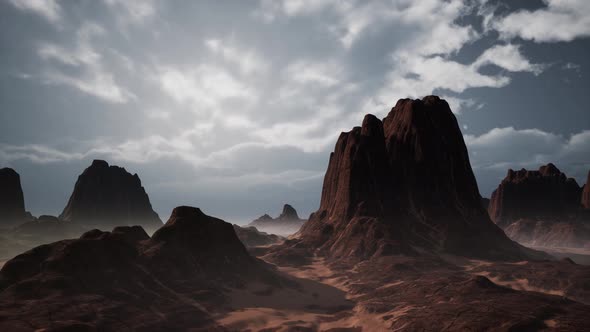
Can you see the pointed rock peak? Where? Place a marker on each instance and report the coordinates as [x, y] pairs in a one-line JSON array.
[[8, 172], [288, 212], [265, 217], [586, 194], [12, 202], [99, 163], [372, 126]]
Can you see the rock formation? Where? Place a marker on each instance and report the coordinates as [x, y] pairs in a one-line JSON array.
[[126, 280], [403, 183], [106, 196], [12, 202], [543, 194], [287, 223], [252, 237], [541, 208], [585, 202]]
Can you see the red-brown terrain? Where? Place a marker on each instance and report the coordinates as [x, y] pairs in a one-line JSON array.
[[401, 242], [542, 208]]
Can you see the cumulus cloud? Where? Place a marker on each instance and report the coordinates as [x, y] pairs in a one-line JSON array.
[[560, 20], [248, 61]]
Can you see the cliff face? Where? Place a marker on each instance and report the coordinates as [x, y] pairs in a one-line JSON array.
[[12, 202], [585, 201], [401, 183], [105, 196], [546, 194]]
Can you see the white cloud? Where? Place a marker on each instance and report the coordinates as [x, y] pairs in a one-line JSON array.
[[508, 57], [49, 9], [137, 11], [561, 20], [92, 78], [203, 86], [248, 61], [503, 148], [324, 74]]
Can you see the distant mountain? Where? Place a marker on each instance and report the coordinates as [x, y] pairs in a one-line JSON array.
[[287, 223], [12, 202], [125, 280], [404, 183], [252, 237], [107, 196], [542, 207]]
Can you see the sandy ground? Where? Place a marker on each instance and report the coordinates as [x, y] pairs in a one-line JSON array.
[[321, 303]]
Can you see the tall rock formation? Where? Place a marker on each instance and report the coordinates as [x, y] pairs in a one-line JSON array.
[[403, 183], [541, 208], [543, 194], [12, 202], [106, 196], [585, 201]]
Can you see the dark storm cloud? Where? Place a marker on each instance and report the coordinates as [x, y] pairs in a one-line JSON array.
[[235, 106]]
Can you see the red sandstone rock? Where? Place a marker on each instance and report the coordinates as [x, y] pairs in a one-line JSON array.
[[586, 194]]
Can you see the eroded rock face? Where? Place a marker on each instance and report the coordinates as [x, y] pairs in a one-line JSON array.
[[124, 279], [106, 196], [585, 202], [545, 194], [401, 183], [12, 202]]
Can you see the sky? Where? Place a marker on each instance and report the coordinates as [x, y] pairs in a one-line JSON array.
[[234, 106]]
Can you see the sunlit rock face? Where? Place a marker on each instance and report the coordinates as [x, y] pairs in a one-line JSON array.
[[402, 183], [105, 196], [12, 202]]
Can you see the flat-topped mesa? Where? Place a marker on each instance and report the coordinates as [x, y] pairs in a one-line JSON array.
[[12, 202], [585, 201], [545, 194], [403, 183], [105, 196]]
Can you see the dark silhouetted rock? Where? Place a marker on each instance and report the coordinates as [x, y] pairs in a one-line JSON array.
[[546, 194], [106, 196], [124, 279], [287, 223], [586, 194], [403, 183], [12, 202], [541, 208], [485, 202]]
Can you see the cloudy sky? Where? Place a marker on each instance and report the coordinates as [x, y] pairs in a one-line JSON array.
[[234, 106]]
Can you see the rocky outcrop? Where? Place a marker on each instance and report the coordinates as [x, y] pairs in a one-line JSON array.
[[12, 202], [541, 208], [585, 201], [106, 196], [545, 194], [402, 183], [124, 279], [252, 237], [287, 223]]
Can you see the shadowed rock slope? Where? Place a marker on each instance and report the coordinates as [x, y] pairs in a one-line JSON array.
[[106, 196], [542, 208], [12, 202], [126, 280], [404, 185]]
